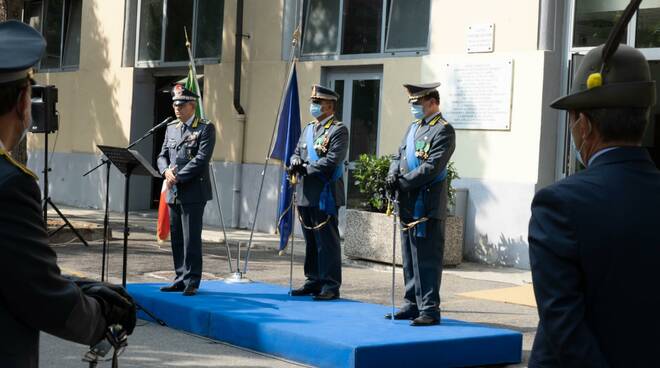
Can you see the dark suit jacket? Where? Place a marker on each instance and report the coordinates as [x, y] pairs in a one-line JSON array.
[[33, 294], [310, 187], [190, 153], [594, 245], [443, 142]]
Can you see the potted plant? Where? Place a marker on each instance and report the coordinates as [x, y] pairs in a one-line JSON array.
[[370, 230]]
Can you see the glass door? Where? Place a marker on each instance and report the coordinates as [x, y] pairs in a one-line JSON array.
[[359, 110]]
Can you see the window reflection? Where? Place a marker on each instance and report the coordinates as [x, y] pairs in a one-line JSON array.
[[594, 19]]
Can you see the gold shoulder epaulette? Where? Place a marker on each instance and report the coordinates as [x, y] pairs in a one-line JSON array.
[[436, 120], [20, 166]]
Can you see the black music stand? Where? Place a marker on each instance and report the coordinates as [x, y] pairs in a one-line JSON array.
[[128, 162]]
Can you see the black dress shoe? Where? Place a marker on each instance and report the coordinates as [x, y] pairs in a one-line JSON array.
[[172, 288], [305, 290], [190, 290], [326, 295], [409, 314], [425, 320]]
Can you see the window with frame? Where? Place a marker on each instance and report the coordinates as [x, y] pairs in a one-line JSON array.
[[162, 27], [59, 22], [350, 27], [647, 25], [594, 20]]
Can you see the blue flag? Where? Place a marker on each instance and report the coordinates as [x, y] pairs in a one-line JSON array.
[[288, 133]]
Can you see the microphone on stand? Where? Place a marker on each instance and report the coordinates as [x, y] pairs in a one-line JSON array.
[[161, 124], [152, 131]]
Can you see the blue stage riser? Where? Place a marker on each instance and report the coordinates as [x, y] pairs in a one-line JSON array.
[[341, 333]]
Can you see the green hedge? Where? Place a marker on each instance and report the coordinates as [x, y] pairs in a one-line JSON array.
[[370, 173]]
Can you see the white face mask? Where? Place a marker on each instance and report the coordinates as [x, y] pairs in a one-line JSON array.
[[578, 151]]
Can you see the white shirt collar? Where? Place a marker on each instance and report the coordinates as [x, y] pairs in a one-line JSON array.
[[189, 121], [600, 153]]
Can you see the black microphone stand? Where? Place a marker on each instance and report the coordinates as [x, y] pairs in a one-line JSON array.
[[106, 162], [106, 217]]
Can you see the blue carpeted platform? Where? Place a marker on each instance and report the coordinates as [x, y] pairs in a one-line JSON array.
[[340, 333]]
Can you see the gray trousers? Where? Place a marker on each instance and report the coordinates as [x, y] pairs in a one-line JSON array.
[[322, 251], [422, 267], [186, 234]]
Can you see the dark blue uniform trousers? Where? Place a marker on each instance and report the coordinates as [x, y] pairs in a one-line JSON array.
[[322, 251], [186, 233], [422, 267]]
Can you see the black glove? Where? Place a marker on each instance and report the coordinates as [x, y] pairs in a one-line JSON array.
[[296, 161], [392, 183], [297, 167], [117, 305]]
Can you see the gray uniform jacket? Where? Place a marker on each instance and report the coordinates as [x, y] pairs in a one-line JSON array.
[[33, 294], [309, 189], [442, 140], [190, 153]]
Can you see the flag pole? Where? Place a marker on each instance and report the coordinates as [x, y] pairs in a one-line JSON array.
[[393, 210], [203, 116], [292, 61], [294, 181]]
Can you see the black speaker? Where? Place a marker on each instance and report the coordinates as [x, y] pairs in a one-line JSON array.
[[45, 118]]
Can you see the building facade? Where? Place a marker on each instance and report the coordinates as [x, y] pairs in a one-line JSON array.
[[501, 64]]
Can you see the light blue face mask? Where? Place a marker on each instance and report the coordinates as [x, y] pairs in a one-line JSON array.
[[315, 110], [417, 111]]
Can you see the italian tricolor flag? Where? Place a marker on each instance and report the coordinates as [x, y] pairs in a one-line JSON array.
[[163, 229]]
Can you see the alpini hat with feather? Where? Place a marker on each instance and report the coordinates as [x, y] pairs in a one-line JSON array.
[[611, 75]]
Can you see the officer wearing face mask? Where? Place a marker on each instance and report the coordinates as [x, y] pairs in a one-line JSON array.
[[418, 173], [319, 161], [594, 244], [33, 294], [184, 163]]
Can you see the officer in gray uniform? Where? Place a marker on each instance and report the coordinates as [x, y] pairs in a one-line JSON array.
[[34, 296], [418, 174], [184, 162], [319, 160]]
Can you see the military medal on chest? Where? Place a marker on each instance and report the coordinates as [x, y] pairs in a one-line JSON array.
[[191, 140], [422, 148], [321, 144]]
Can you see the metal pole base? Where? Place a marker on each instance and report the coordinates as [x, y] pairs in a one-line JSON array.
[[237, 278]]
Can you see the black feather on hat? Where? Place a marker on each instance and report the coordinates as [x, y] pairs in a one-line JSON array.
[[611, 75]]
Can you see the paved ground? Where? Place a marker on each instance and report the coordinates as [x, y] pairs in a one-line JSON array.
[[154, 346]]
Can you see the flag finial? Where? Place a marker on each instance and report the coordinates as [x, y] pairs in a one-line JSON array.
[[185, 31]]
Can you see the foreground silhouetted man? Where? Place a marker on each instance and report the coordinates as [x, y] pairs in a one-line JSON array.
[[593, 237], [33, 294]]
